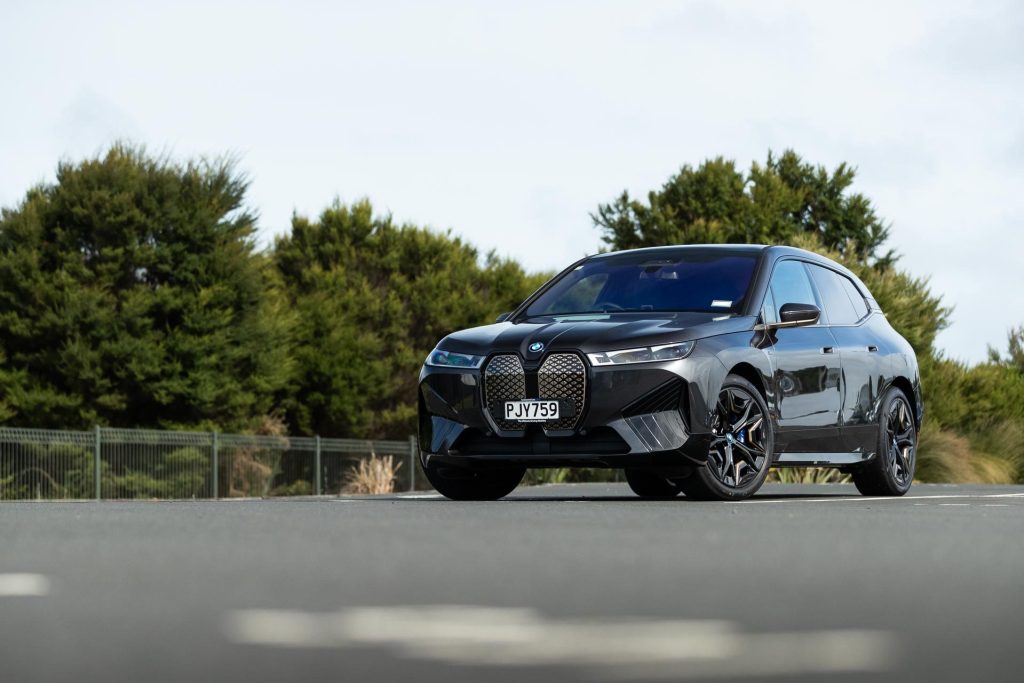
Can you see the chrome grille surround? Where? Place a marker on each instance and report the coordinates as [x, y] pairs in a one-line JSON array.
[[504, 380], [563, 376]]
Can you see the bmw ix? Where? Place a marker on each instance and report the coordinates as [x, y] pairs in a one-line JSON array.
[[695, 369]]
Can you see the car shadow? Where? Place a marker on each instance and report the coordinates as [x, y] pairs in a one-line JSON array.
[[612, 496]]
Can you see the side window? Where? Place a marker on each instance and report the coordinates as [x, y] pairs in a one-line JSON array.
[[837, 302], [856, 298], [791, 286]]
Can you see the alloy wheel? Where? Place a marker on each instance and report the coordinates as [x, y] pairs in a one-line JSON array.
[[737, 453], [900, 441]]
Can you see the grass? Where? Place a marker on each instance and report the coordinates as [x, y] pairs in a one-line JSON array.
[[372, 476], [807, 475], [991, 457], [567, 475]]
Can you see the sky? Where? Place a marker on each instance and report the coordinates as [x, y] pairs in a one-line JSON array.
[[508, 123]]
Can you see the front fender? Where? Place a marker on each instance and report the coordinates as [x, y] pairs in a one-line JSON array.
[[745, 354], [721, 355]]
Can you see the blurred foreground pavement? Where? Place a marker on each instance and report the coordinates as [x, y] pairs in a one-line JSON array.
[[568, 583]]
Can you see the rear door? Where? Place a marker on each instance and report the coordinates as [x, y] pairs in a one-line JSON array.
[[807, 370]]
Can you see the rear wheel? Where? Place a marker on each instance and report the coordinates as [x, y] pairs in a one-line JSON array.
[[650, 484], [891, 472], [741, 448], [467, 483]]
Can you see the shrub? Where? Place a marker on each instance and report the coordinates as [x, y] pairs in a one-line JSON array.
[[808, 475], [945, 456], [372, 475], [55, 470], [180, 473]]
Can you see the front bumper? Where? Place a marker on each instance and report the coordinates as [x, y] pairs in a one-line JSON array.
[[649, 414]]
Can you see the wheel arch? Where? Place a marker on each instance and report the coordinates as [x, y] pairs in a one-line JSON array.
[[752, 375], [725, 355], [907, 387]]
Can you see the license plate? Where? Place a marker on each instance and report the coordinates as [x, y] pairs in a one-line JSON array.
[[531, 411]]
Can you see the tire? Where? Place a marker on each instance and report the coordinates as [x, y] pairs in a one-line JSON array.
[[465, 483], [743, 431], [891, 472], [649, 484]]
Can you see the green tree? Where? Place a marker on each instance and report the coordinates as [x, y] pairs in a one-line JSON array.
[[131, 295], [975, 421], [718, 203], [909, 304], [1015, 350], [372, 299], [785, 201]]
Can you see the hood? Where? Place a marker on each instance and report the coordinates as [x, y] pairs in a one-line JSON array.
[[592, 333]]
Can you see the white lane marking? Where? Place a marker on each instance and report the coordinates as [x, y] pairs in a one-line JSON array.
[[377, 499], [994, 505], [847, 499], [954, 505], [522, 637], [752, 501], [16, 585]]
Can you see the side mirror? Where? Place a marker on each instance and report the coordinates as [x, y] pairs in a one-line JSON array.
[[794, 315], [502, 317]]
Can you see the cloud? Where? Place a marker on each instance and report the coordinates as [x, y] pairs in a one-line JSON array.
[[90, 121], [511, 123]]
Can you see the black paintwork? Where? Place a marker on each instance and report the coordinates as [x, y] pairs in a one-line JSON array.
[[823, 383]]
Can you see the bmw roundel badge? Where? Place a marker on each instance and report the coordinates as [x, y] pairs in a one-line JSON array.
[[536, 347]]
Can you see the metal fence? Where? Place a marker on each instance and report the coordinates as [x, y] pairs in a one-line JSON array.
[[140, 463]]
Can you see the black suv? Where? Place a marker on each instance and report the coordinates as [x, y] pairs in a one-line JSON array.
[[695, 369]]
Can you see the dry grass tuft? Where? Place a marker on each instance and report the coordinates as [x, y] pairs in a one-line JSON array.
[[943, 456], [248, 474], [807, 475], [373, 475]]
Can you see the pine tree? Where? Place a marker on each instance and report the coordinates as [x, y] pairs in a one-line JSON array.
[[131, 295], [372, 299], [716, 202]]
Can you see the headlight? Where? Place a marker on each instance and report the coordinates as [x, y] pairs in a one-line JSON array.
[[448, 359], [648, 354]]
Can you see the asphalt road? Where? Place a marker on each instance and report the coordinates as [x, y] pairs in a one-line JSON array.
[[561, 583]]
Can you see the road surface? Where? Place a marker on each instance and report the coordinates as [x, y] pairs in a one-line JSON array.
[[566, 583]]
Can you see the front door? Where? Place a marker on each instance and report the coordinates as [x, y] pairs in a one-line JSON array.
[[807, 370]]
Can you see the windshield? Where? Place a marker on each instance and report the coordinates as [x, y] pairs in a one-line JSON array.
[[699, 281]]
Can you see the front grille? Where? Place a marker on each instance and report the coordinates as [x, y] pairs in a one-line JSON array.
[[563, 376], [504, 380]]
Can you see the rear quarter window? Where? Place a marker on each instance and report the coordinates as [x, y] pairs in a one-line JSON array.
[[837, 302], [856, 298]]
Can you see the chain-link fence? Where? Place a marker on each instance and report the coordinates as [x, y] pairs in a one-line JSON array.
[[139, 463]]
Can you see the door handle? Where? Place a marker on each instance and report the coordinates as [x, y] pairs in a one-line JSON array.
[[828, 349], [872, 349]]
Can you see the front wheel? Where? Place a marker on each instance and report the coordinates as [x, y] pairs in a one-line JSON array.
[[892, 469], [467, 483], [742, 443]]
